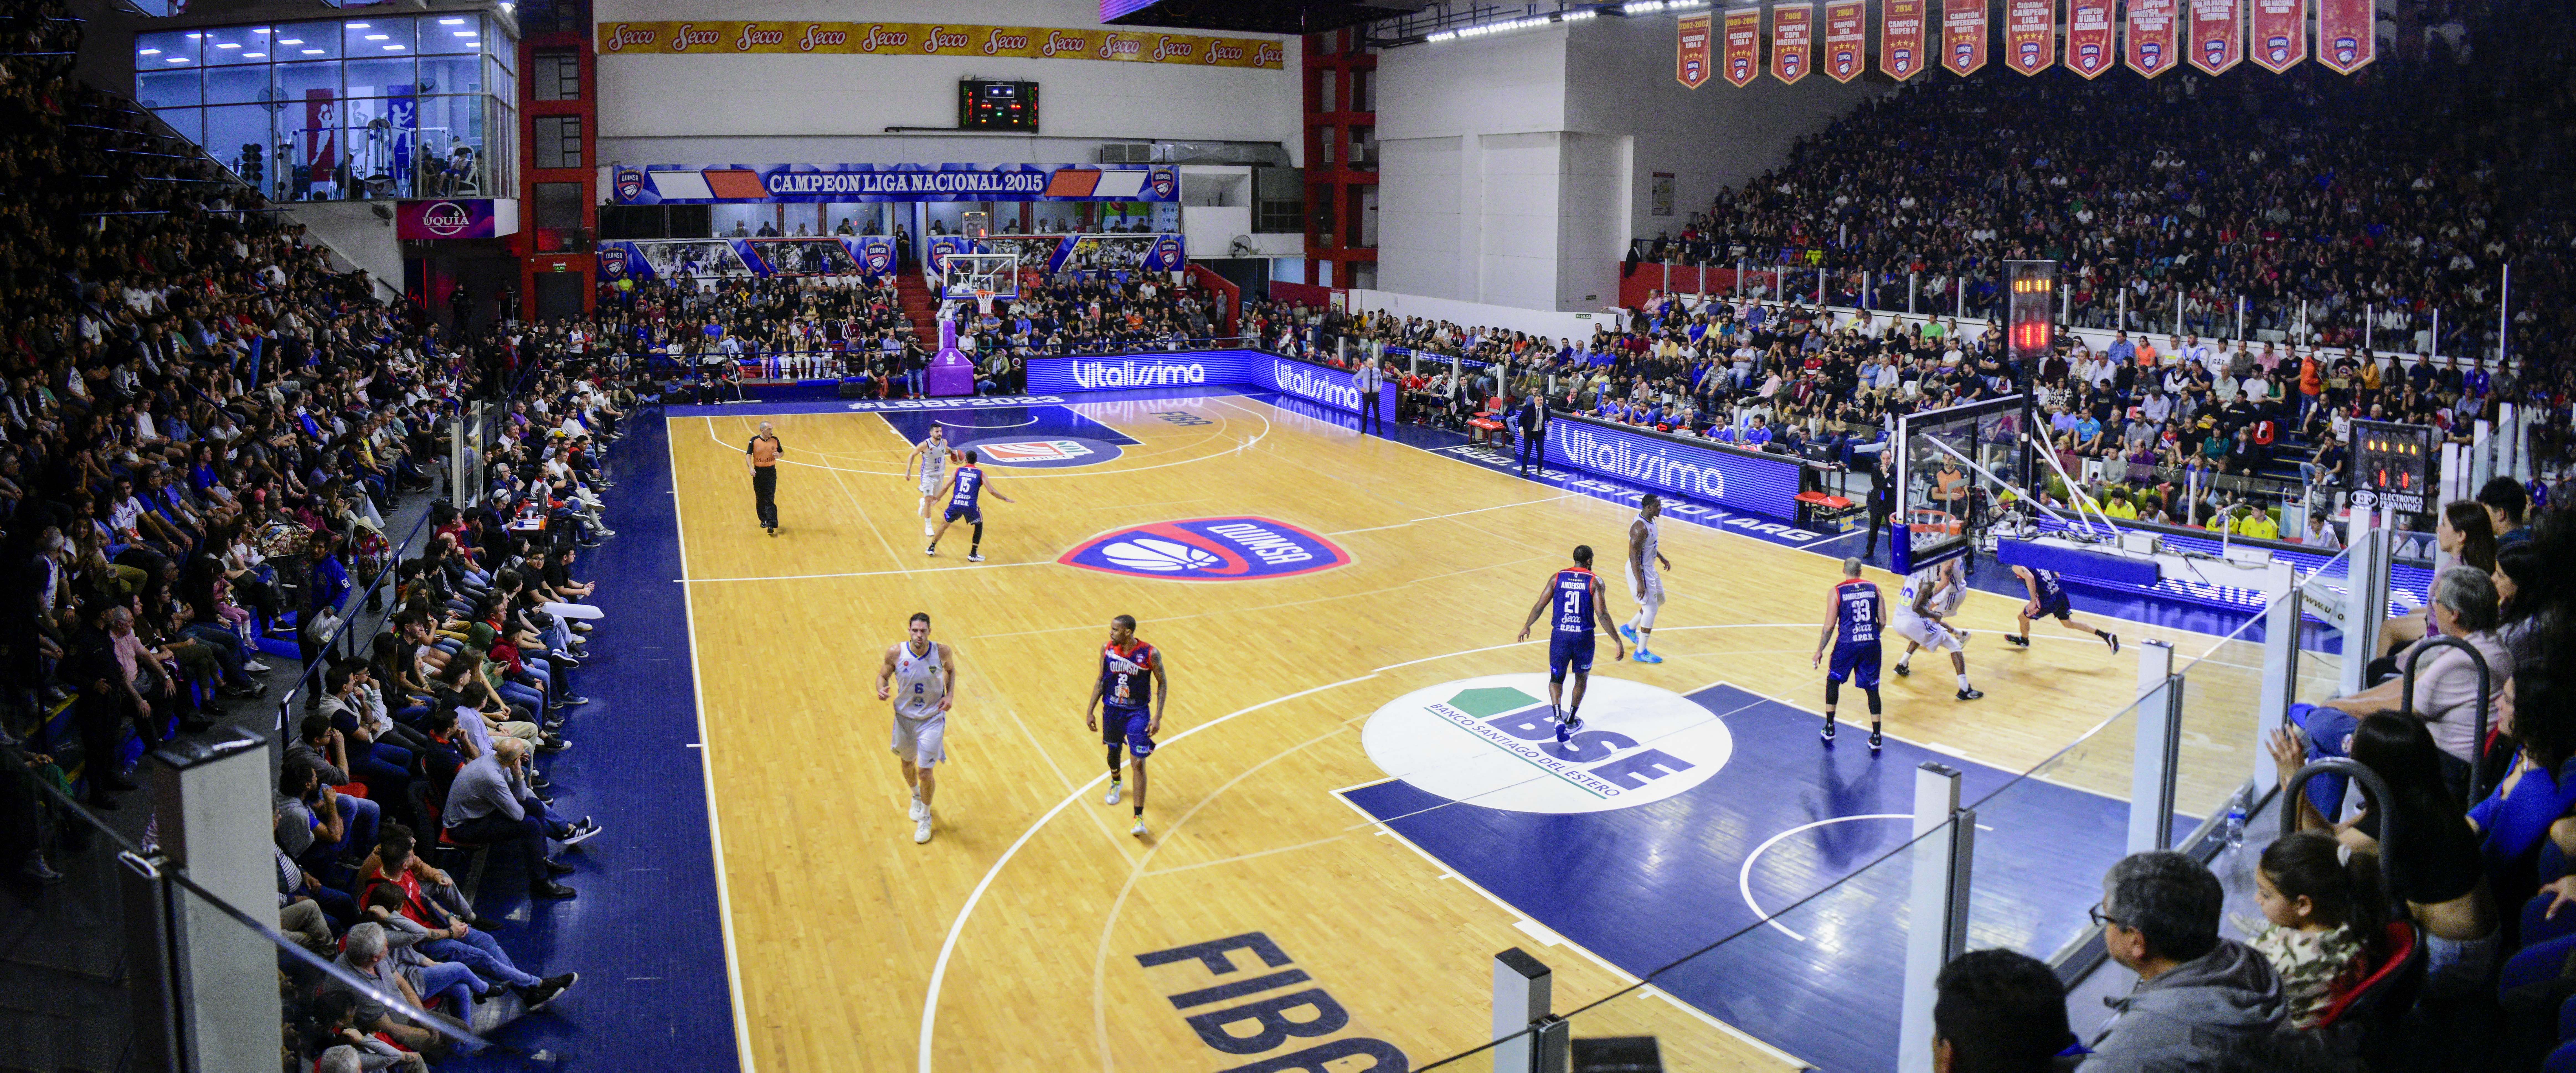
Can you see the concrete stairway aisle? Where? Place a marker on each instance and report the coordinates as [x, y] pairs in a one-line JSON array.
[[920, 305]]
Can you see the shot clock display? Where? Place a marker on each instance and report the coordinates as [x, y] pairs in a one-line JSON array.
[[987, 105], [2031, 327], [2391, 464]]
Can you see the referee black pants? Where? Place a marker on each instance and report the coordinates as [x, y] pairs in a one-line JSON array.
[[764, 487]]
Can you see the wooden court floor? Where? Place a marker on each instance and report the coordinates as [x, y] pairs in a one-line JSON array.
[[1011, 940]]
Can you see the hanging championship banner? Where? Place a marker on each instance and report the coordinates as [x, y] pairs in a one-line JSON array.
[[1900, 38], [2151, 36], [2088, 36], [2345, 42], [2280, 34], [2030, 35], [1793, 41], [1690, 50], [1963, 35], [1846, 38], [2217, 34], [1743, 45]]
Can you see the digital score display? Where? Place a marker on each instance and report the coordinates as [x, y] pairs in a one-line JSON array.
[[2030, 324], [2391, 464], [988, 105]]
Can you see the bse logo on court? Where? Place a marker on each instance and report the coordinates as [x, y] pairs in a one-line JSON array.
[[1209, 549], [1053, 453], [1491, 742]]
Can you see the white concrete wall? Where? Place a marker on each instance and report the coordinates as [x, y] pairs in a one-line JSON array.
[[1469, 212], [359, 238], [1573, 326], [713, 109]]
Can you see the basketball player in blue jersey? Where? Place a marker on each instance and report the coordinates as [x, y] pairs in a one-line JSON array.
[[962, 489], [1574, 601], [1855, 615], [2047, 600], [1131, 677]]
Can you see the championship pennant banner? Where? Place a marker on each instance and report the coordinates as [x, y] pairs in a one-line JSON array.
[[2088, 36], [1691, 50], [2030, 35], [1963, 35], [1900, 38], [2345, 42], [1744, 45], [927, 39], [2280, 34], [1793, 41], [2217, 34], [1846, 38], [2152, 36]]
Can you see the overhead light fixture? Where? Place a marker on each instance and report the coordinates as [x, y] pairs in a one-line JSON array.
[[193, 37], [312, 52], [259, 29], [1491, 28], [451, 22], [1649, 7], [393, 48], [292, 41], [149, 52], [227, 44], [379, 37], [356, 25], [254, 55], [178, 59], [464, 33]]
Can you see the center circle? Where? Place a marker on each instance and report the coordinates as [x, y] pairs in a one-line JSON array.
[[1491, 741]]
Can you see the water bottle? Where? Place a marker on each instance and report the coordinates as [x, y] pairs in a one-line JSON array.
[[2235, 825]]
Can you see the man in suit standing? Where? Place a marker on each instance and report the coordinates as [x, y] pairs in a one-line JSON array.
[[1368, 379], [1533, 418]]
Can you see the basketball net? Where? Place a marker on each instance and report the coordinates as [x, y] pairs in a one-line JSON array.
[[983, 302]]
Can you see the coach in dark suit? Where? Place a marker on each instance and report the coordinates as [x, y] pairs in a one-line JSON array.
[[1533, 418]]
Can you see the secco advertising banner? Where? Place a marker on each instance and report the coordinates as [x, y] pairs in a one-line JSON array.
[[928, 39], [2217, 34], [456, 217], [1743, 46], [1900, 39], [1793, 41], [1743, 480], [1963, 35], [2151, 36], [1203, 368], [1846, 38], [2088, 36], [2344, 39], [2030, 35], [1691, 50], [2280, 34]]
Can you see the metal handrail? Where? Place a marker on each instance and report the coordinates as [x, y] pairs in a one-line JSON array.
[[2478, 744], [2374, 790]]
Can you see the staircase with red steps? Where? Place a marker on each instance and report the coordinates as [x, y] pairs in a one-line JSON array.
[[920, 305]]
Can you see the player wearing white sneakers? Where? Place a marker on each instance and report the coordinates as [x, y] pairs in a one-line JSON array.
[[1923, 610], [1646, 564], [920, 677], [1126, 706], [932, 457]]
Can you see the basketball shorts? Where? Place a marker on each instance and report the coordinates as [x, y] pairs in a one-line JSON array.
[[1130, 727], [1928, 633], [930, 483], [1564, 653], [924, 739], [1857, 664], [973, 515], [2060, 609]]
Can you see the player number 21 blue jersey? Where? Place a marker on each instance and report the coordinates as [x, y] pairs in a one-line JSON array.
[[1573, 611]]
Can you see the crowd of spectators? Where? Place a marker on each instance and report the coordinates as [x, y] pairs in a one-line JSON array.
[[205, 429], [2198, 191]]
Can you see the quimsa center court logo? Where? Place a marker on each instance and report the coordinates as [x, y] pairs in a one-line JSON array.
[[1209, 549], [1491, 741], [1058, 452]]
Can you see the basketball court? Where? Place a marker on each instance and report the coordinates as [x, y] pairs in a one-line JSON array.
[[1352, 810]]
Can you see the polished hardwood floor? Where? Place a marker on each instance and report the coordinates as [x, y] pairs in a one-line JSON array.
[[1011, 940]]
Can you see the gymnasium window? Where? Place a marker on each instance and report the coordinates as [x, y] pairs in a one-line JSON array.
[[558, 76], [558, 141]]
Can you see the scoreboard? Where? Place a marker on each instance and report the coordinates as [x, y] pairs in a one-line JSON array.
[[2030, 331], [990, 105], [2392, 463]]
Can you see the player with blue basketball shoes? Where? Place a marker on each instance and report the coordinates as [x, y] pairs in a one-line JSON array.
[[1646, 564], [1574, 602]]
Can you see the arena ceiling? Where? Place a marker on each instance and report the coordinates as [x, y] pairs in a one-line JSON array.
[[1266, 16]]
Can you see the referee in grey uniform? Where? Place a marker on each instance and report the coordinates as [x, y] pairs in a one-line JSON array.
[[1369, 378]]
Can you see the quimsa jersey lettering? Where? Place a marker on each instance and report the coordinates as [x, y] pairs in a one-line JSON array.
[[2051, 588], [970, 483], [1571, 615], [1856, 621], [1127, 678], [918, 683]]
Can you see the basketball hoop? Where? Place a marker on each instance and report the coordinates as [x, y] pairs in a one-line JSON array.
[[983, 301], [1928, 520]]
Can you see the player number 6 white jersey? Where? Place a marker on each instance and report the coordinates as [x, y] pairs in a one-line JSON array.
[[919, 683]]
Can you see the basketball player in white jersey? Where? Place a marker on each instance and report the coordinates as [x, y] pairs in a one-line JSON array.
[[932, 456], [1923, 609], [1646, 564], [920, 677]]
